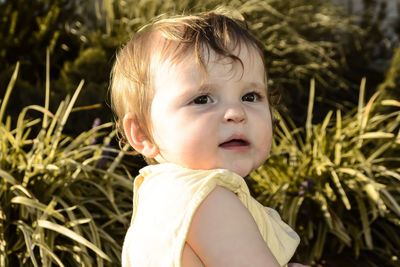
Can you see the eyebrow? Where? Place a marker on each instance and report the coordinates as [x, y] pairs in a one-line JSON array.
[[208, 87], [261, 86]]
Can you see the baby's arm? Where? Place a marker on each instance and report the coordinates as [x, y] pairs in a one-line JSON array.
[[223, 233]]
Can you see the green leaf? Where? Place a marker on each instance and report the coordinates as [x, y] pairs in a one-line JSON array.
[[72, 235], [8, 177], [34, 203], [391, 102], [27, 232], [376, 135], [342, 193], [310, 109], [365, 222], [49, 252], [293, 210], [9, 89], [391, 201]]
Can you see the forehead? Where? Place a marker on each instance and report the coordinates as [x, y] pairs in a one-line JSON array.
[[246, 58]]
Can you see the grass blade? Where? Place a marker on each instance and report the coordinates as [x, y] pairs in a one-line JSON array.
[[47, 93], [7, 177], [52, 255], [27, 232], [310, 109], [365, 222], [34, 203], [376, 135], [9, 89], [72, 235], [339, 187]]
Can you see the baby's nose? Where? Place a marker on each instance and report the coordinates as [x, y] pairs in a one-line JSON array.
[[235, 113]]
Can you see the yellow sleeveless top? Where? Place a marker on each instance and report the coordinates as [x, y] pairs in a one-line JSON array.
[[165, 199]]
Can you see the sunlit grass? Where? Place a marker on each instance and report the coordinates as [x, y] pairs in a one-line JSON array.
[[64, 201], [338, 182]]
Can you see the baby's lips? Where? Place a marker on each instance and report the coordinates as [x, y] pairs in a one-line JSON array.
[[235, 143]]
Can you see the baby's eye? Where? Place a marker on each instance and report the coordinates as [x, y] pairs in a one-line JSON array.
[[202, 100], [252, 97]]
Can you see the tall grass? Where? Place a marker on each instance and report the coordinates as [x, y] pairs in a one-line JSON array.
[[64, 201], [302, 39], [338, 183]]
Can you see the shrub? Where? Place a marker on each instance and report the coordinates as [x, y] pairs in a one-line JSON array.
[[338, 184], [64, 201], [302, 40], [26, 30]]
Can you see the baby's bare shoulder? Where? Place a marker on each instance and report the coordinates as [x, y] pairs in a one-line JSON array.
[[223, 233]]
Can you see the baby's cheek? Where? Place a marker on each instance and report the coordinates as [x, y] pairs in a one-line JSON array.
[[198, 152]]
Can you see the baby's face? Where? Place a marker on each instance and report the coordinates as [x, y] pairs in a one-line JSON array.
[[219, 120]]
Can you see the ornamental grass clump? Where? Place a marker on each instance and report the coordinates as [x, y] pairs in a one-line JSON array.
[[338, 183], [63, 202], [302, 39]]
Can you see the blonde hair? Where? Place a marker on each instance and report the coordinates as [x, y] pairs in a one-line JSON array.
[[170, 38]]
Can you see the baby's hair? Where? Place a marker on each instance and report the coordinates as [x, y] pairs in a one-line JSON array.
[[174, 38]]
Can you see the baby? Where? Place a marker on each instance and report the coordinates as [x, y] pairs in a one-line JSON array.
[[190, 95]]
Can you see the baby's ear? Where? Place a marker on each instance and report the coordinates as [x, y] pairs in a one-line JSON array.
[[137, 138]]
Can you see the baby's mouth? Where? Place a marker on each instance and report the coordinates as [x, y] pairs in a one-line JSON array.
[[235, 143]]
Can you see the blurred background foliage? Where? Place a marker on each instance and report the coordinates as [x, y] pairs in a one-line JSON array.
[[64, 201], [338, 183], [302, 40], [334, 170]]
